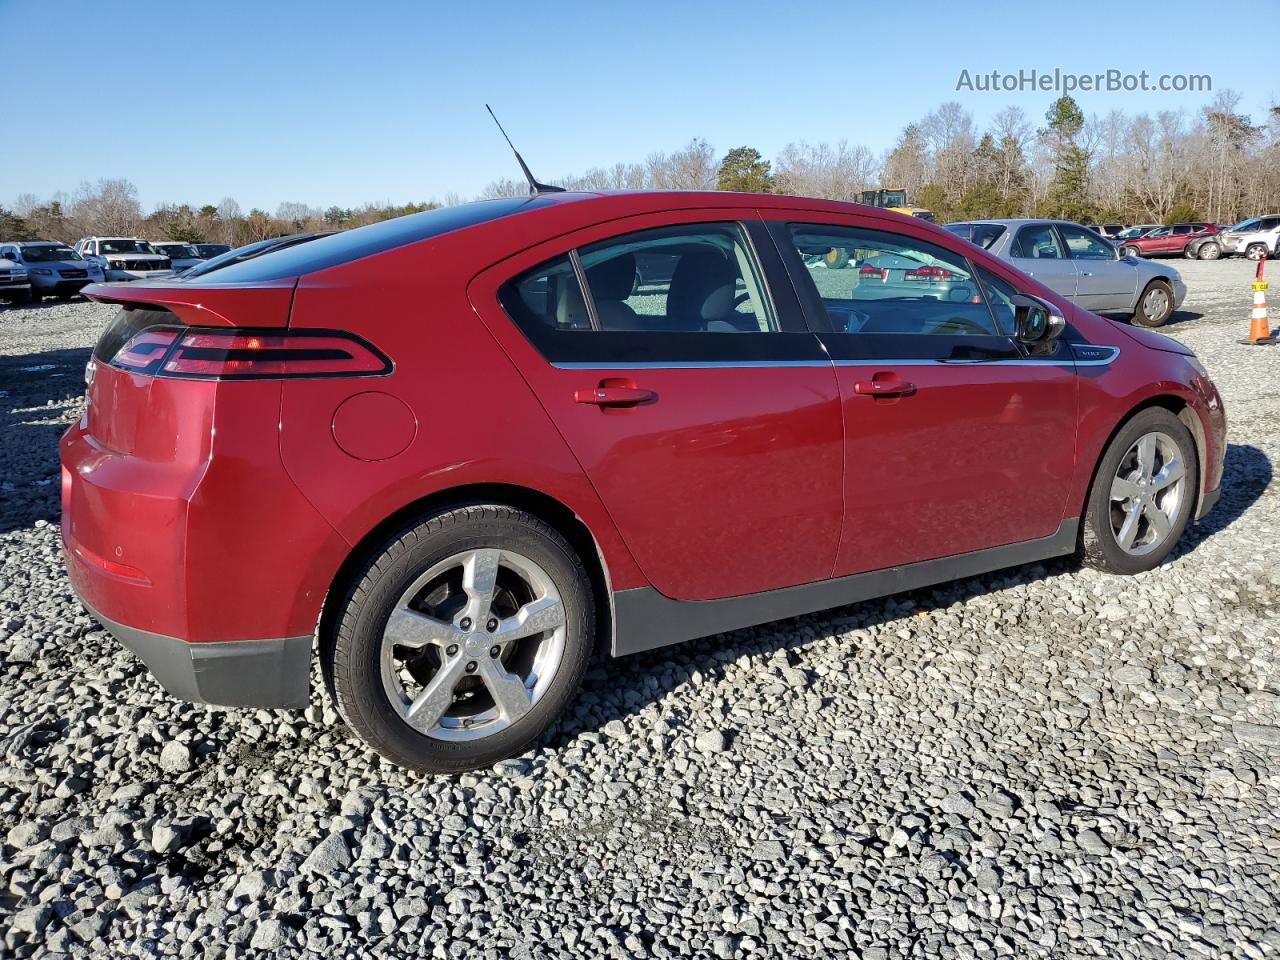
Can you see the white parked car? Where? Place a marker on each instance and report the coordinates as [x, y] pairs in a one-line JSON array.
[[181, 255], [15, 286], [125, 258], [1250, 238]]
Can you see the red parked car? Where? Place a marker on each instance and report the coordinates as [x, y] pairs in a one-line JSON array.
[[474, 443], [1169, 241]]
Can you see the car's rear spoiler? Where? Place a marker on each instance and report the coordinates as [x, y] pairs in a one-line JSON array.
[[213, 305]]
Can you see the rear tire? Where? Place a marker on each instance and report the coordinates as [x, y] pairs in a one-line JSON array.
[[432, 577], [1155, 306], [1125, 468]]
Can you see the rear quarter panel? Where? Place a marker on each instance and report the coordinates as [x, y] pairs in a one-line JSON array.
[[477, 422]]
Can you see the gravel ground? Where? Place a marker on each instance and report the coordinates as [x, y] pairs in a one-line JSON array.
[[1045, 762]]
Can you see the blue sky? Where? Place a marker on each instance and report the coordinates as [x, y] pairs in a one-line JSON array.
[[344, 102]]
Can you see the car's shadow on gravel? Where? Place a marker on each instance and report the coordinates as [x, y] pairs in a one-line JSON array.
[[1246, 474], [36, 390]]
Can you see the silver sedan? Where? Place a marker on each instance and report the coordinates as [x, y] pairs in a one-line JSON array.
[[1077, 263]]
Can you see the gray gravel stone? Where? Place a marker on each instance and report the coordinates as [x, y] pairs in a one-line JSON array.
[[1039, 762]]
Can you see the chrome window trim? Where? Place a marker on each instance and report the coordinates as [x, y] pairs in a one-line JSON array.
[[750, 364]]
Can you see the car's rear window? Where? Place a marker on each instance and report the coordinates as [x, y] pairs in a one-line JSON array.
[[983, 234], [325, 252]]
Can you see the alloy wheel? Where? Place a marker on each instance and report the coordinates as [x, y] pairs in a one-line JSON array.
[[1156, 304], [473, 644], [1147, 493]]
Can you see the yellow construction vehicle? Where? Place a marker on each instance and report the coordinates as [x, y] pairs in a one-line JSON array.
[[895, 200]]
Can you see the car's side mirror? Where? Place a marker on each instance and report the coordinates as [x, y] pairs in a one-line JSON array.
[[1035, 321]]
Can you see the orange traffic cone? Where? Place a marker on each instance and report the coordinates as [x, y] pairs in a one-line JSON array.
[[1259, 329]]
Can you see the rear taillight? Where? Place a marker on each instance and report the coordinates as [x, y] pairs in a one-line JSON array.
[[929, 273], [209, 354]]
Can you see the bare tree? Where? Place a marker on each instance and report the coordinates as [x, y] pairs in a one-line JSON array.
[[837, 172]]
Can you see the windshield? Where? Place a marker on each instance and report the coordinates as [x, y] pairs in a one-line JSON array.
[[177, 250], [48, 254], [124, 246], [212, 249], [1250, 224]]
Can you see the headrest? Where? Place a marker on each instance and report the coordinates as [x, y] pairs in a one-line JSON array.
[[614, 279], [701, 288]]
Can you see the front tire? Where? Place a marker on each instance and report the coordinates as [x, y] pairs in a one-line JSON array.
[[1142, 494], [1210, 251], [462, 639], [1129, 252], [1155, 306], [837, 258], [1256, 251]]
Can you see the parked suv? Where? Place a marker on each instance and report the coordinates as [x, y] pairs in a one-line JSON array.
[[125, 258], [1251, 238], [54, 269], [15, 286], [472, 444], [1168, 241], [1075, 262], [181, 255]]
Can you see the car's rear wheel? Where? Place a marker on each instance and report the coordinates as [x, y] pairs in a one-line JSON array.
[[1127, 251], [1256, 251], [1210, 251], [1155, 305], [1142, 494], [462, 639]]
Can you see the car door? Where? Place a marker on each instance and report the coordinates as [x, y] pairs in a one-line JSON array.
[[1179, 237], [956, 439], [701, 408], [1103, 281], [1038, 252]]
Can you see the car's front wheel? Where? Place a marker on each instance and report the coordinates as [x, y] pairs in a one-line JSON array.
[[1155, 306], [1210, 251], [1142, 494], [1129, 252], [462, 639]]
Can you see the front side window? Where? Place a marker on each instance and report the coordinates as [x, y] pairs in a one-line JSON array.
[[1038, 241], [1085, 244], [1160, 232], [891, 284]]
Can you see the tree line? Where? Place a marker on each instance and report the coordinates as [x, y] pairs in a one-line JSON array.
[[1218, 164]]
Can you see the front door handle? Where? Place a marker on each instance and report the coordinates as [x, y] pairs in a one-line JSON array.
[[884, 385], [615, 393]]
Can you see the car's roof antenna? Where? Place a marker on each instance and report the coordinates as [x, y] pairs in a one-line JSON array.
[[535, 187]]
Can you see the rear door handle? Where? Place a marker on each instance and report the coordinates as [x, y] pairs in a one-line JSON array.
[[611, 395], [886, 387]]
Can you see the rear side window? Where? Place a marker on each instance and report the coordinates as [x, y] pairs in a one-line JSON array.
[[983, 234], [680, 293], [1038, 241]]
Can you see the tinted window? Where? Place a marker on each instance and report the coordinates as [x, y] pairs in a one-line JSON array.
[[1182, 230], [1038, 241], [1085, 244], [983, 234], [891, 284], [685, 279], [349, 245], [1270, 223], [1000, 294], [689, 293]]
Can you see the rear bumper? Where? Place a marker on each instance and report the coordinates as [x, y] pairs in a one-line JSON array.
[[240, 673]]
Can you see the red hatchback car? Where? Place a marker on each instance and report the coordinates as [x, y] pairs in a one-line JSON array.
[[464, 447]]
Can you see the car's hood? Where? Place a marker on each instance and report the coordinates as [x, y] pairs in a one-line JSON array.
[[1153, 340]]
